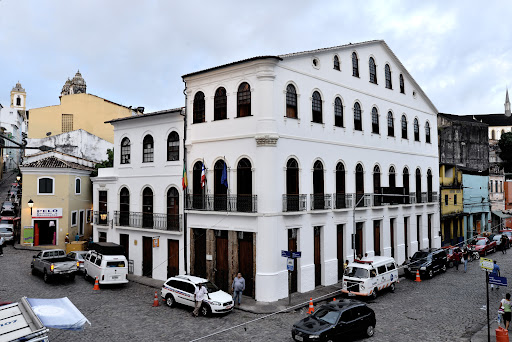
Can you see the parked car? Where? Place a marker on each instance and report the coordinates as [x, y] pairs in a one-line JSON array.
[[180, 290], [78, 256], [497, 238], [7, 206], [52, 263], [507, 232], [7, 234], [108, 268], [335, 321], [451, 254], [368, 276], [428, 262], [484, 246]]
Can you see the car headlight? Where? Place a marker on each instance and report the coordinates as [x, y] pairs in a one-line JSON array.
[[362, 287], [423, 268], [216, 303], [314, 336]]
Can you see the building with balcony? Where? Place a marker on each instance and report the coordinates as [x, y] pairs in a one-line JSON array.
[[307, 152], [139, 202]]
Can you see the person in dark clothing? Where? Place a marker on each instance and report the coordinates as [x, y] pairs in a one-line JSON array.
[[503, 244]]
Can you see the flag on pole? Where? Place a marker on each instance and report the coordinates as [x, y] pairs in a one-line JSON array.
[[203, 176], [184, 181], [224, 177]]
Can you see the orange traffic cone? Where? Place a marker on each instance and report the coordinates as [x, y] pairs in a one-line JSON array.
[[155, 301], [334, 299], [418, 276], [311, 307], [96, 285]]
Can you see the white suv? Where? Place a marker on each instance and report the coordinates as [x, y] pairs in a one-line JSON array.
[[180, 289]]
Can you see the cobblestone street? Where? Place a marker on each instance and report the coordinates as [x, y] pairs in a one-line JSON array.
[[446, 308]]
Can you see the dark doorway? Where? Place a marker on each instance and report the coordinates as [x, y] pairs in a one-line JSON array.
[[246, 261], [418, 186], [376, 186], [292, 247], [392, 177], [406, 237], [197, 194], [359, 239], [405, 180], [429, 186], [429, 223], [318, 261], [124, 240], [359, 185], [418, 230], [44, 232], [292, 185], [318, 185], [199, 252], [376, 237], [173, 258], [124, 207], [81, 218], [339, 250], [102, 237], [244, 188], [147, 208], [340, 186], [220, 191], [221, 260], [392, 236], [147, 256]]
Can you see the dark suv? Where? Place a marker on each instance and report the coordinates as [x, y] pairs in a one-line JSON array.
[[428, 261], [336, 320]]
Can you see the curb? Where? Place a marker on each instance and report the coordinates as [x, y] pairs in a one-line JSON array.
[[26, 248]]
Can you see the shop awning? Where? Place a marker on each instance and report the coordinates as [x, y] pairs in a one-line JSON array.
[[501, 214]]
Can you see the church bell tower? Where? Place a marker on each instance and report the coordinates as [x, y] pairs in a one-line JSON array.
[[18, 97]]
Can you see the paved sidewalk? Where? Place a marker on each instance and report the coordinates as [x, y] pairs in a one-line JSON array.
[[481, 335]]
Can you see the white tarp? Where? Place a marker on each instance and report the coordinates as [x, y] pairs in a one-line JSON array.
[[58, 313]]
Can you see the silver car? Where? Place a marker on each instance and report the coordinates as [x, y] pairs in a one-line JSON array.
[[7, 234], [78, 256]]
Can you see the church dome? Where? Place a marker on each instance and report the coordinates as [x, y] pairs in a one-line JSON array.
[[65, 88], [78, 79], [18, 87]]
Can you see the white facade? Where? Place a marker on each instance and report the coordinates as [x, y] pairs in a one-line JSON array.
[[269, 139], [112, 221]]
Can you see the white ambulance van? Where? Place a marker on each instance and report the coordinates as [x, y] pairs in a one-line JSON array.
[[368, 276]]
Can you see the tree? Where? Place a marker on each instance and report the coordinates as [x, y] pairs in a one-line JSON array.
[[505, 145], [106, 163]]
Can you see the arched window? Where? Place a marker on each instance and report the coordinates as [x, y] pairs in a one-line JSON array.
[[359, 185], [338, 112], [387, 70], [291, 102], [427, 132], [404, 127], [147, 149], [197, 188], [429, 185], [220, 104], [402, 85], [336, 63], [392, 177], [292, 185], [124, 207], [340, 186], [125, 151], [416, 130], [358, 125], [173, 209], [318, 186], [173, 147], [244, 100], [355, 65], [373, 70], [316, 107], [244, 198], [391, 125], [418, 186], [18, 101], [147, 208], [78, 186], [377, 198], [493, 135], [375, 121], [405, 183], [198, 111], [220, 190]]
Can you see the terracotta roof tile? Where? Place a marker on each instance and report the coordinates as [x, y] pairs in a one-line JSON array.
[[55, 163]]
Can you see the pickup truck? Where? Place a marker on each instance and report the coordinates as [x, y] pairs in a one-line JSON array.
[[54, 262]]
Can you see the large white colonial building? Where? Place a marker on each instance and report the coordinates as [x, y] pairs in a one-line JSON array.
[[322, 152], [139, 202]]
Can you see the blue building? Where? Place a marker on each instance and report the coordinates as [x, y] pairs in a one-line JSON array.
[[476, 205]]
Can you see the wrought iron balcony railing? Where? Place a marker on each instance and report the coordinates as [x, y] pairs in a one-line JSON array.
[[232, 203], [320, 201], [101, 219], [148, 220], [294, 202]]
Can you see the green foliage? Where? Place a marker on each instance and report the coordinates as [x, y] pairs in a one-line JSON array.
[[106, 163], [505, 145]]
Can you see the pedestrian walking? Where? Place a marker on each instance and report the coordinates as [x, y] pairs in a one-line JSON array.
[[507, 311], [456, 258], [199, 295], [465, 256], [238, 286], [2, 241], [503, 244], [495, 272]]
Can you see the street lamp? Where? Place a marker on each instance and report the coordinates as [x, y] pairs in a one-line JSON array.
[[18, 178], [30, 205]]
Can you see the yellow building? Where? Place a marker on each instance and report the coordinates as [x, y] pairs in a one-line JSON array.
[[452, 217], [58, 187], [77, 110]]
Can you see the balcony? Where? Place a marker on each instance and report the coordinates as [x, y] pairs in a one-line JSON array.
[[294, 202], [148, 220], [321, 201], [101, 219], [231, 203]]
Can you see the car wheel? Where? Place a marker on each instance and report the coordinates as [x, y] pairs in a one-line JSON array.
[[33, 270], [450, 264], [443, 268], [46, 277], [169, 300], [392, 287], [86, 276], [374, 294], [72, 276], [430, 274], [205, 310], [370, 330]]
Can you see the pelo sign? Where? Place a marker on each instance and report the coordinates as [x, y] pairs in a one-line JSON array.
[[47, 212]]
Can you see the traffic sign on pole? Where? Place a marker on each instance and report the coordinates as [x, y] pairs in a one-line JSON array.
[[296, 254], [501, 281], [487, 264], [286, 254], [289, 264]]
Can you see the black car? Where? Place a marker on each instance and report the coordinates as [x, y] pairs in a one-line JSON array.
[[428, 261], [336, 320]]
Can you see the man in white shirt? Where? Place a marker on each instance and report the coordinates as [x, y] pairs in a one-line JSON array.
[[199, 295]]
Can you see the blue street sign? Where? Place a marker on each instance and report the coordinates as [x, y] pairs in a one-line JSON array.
[[501, 281], [289, 264], [286, 254], [296, 254]]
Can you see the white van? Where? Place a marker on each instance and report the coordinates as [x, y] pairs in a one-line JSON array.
[[110, 269], [368, 276]]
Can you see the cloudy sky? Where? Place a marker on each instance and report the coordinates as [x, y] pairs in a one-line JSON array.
[[134, 51]]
